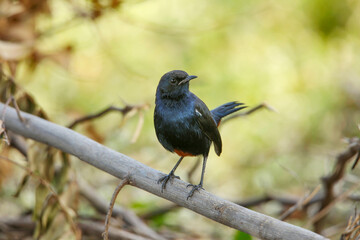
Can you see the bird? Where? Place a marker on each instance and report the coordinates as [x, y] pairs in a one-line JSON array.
[[185, 125]]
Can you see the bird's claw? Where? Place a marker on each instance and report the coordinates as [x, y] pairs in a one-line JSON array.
[[165, 179], [194, 188]]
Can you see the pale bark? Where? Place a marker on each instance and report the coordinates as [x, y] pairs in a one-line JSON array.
[[144, 177]]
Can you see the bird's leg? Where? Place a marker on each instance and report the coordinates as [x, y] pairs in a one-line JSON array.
[[166, 178], [200, 185]]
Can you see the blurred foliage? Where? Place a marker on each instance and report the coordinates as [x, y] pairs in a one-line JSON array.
[[67, 59], [242, 236]]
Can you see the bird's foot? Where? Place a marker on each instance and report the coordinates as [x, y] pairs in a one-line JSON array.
[[194, 188], [165, 179]]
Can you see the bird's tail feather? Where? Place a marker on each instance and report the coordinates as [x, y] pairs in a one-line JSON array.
[[226, 109]]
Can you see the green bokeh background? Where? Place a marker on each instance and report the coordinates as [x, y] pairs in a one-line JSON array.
[[302, 57]]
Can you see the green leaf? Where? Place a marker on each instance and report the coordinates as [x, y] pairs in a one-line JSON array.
[[242, 236]]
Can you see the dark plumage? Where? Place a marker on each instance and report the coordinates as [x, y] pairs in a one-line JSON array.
[[184, 124]]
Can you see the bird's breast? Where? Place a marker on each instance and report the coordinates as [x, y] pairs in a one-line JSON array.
[[177, 129]]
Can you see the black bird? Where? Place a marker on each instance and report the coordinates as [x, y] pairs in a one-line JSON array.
[[184, 124]]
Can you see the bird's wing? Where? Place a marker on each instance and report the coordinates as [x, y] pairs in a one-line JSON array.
[[207, 125]]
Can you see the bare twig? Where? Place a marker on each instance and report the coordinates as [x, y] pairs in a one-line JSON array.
[[24, 226], [125, 110], [334, 230], [144, 177], [10, 138], [129, 217], [3, 133], [95, 229], [356, 160], [250, 111], [301, 203], [11, 99], [324, 211], [358, 155], [122, 184], [248, 203], [18, 142], [53, 192], [334, 177], [233, 116], [352, 231]]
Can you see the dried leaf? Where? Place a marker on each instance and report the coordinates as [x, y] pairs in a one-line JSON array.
[[3, 134], [55, 203], [12, 67], [9, 8], [22, 184], [36, 6], [41, 160], [138, 127], [27, 103], [5, 167], [7, 88], [116, 3], [93, 134], [10, 51], [62, 57]]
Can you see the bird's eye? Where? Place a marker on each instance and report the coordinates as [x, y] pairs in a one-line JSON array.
[[173, 81]]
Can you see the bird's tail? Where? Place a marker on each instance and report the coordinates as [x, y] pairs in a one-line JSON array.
[[226, 109]]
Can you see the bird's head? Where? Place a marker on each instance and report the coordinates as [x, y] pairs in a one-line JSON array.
[[174, 84]]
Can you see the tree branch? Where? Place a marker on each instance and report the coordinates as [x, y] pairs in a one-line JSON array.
[[125, 110], [249, 111], [329, 181], [121, 185], [128, 216], [24, 226], [144, 177]]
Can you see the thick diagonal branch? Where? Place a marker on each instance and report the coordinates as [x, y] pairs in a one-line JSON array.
[[144, 177]]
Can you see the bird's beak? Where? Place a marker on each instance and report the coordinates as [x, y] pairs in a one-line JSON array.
[[187, 79]]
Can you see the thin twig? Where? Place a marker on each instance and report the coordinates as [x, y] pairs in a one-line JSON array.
[[11, 99], [95, 229], [131, 220], [356, 160], [3, 133], [358, 155], [352, 230], [233, 116], [250, 111], [18, 142], [123, 182], [248, 203], [53, 192], [324, 211], [24, 226], [334, 177], [300, 204], [125, 110]]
